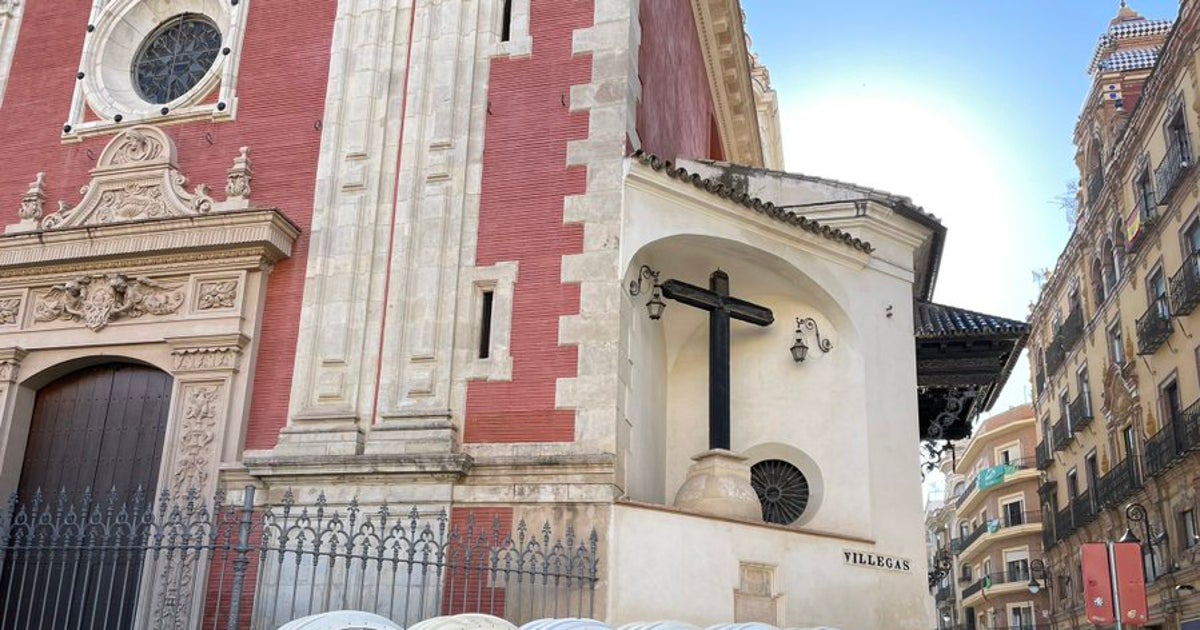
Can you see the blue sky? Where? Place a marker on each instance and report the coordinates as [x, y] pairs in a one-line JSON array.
[[967, 106]]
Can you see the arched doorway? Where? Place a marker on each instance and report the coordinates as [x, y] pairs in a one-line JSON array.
[[95, 441]]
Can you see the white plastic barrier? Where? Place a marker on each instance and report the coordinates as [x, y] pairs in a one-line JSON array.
[[351, 620]]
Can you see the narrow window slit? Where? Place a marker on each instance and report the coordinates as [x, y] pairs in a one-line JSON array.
[[506, 22], [485, 325]]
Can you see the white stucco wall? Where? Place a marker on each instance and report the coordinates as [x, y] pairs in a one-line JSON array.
[[850, 414]]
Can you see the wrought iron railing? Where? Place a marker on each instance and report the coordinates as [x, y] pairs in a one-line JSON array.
[[1039, 382], [945, 593], [1064, 524], [1055, 356], [1061, 434], [1044, 457], [1083, 509], [1014, 575], [1095, 186], [1154, 327], [1119, 484], [1080, 411], [1161, 451], [971, 538], [1137, 221], [181, 562], [965, 493], [1170, 170], [1072, 330], [993, 526], [1185, 286]]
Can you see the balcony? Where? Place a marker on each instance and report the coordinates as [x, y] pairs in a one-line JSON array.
[[1015, 576], [963, 543], [1055, 355], [1154, 327], [1044, 457], [1080, 412], [1119, 484], [966, 493], [1185, 286], [1064, 524], [1161, 451], [1083, 511], [1071, 331], [1174, 441], [1094, 187], [1170, 171], [997, 526], [945, 593], [1061, 434]]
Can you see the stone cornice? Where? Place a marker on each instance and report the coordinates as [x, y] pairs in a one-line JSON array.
[[265, 233], [727, 59]]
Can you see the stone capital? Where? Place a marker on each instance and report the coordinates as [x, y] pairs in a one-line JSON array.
[[10, 362]]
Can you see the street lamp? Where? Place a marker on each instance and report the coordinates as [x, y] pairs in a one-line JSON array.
[[655, 305], [1036, 568], [1136, 513]]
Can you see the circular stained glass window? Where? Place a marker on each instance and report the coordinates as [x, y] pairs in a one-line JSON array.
[[782, 490], [175, 57]]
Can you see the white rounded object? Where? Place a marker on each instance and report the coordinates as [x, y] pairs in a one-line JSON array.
[[464, 622], [659, 625], [342, 620], [567, 623]]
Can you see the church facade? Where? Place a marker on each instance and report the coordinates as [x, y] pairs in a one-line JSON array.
[[433, 307]]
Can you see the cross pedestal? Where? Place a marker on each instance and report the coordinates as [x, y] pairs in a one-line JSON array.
[[719, 482]]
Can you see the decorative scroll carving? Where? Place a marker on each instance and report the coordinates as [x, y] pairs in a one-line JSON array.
[[217, 294], [196, 437], [214, 358], [136, 178], [10, 307], [99, 299], [238, 182]]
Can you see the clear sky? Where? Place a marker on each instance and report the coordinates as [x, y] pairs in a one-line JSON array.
[[966, 106]]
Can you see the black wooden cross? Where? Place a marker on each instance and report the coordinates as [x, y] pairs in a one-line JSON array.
[[721, 307]]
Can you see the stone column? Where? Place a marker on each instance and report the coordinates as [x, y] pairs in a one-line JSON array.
[[12, 442]]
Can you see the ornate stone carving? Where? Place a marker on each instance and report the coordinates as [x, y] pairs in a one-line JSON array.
[[214, 358], [8, 370], [10, 307], [238, 182], [97, 300], [33, 202], [1119, 397], [136, 178], [196, 437], [218, 294]]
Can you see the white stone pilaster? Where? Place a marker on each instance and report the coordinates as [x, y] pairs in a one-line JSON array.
[[10, 24], [337, 352]]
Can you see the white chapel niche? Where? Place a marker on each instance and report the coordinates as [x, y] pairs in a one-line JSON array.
[[812, 414], [107, 95]]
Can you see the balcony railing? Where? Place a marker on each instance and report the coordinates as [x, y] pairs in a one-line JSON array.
[[1081, 412], [993, 526], [1161, 451], [1136, 222], [1056, 355], [1083, 510], [1094, 187], [1018, 575], [945, 593], [965, 493], [1119, 484], [1154, 327], [1185, 286], [1071, 331], [1061, 433], [970, 538], [1044, 456], [1171, 169], [1174, 441], [1064, 523]]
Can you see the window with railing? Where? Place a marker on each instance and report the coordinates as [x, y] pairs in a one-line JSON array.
[[1116, 343], [1185, 286], [1179, 156], [1154, 326], [1061, 435]]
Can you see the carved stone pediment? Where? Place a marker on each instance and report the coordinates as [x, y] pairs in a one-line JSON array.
[[136, 178]]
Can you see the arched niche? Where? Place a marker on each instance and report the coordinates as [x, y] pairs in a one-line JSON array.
[[774, 400]]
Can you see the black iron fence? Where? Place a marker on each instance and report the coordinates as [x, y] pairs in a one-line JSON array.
[[1044, 457], [1061, 433], [1185, 286], [179, 562], [1170, 170], [1154, 327], [1119, 484], [1080, 412]]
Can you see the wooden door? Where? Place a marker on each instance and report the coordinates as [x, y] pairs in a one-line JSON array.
[[99, 429]]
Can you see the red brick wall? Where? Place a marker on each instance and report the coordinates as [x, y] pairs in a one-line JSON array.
[[468, 586], [525, 178], [281, 95], [675, 113]]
